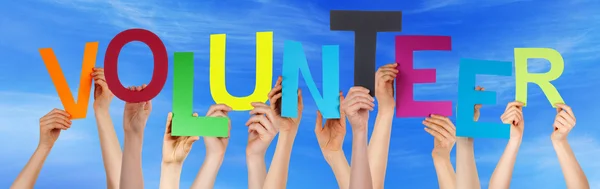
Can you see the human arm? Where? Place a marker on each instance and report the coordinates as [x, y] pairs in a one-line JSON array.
[[215, 151], [261, 131], [563, 124], [50, 127], [331, 138], [379, 145], [356, 106], [135, 117], [502, 175], [109, 143], [288, 128], [444, 133], [466, 168]]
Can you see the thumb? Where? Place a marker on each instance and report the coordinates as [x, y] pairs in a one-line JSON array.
[[319, 122]]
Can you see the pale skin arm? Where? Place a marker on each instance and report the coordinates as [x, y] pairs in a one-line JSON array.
[[339, 165], [134, 123], [360, 174], [215, 152], [503, 173], [278, 171], [356, 106], [50, 127], [109, 143], [444, 133], [563, 124], [379, 145], [466, 168], [257, 170], [261, 131]]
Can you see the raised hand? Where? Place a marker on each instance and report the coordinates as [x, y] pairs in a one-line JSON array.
[[331, 136], [102, 95], [444, 133], [285, 124], [384, 86], [356, 106], [563, 122], [261, 128], [51, 125], [136, 114], [217, 145], [477, 106], [176, 148], [513, 115]]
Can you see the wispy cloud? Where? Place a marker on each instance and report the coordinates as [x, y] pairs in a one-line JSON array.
[[434, 5]]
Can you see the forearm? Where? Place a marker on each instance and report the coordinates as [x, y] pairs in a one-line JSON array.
[[208, 172], [111, 149], [30, 172], [131, 169], [278, 171], [339, 165], [503, 173], [466, 169], [360, 174], [170, 174], [379, 146], [445, 172], [257, 171], [574, 175]]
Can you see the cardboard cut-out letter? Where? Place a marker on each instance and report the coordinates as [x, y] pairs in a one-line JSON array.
[[161, 65], [406, 106], [294, 61], [77, 110], [365, 25], [184, 124], [264, 72], [522, 76], [468, 97]]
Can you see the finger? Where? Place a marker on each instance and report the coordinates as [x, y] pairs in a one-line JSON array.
[[568, 120], [98, 69], [356, 104], [437, 127], [274, 99], [513, 104], [450, 126], [389, 71], [59, 112], [565, 108], [319, 122], [219, 114], [358, 89], [217, 108], [279, 81], [263, 110], [258, 128], [169, 122], [435, 134], [360, 94], [342, 113], [275, 90], [300, 100], [101, 82], [55, 116], [390, 65]]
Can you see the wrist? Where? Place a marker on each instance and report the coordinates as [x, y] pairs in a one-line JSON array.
[[386, 107], [559, 141], [332, 156], [100, 108], [44, 148], [515, 141], [440, 157], [214, 158]]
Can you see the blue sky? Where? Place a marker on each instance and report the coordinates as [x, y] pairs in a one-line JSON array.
[[488, 30]]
